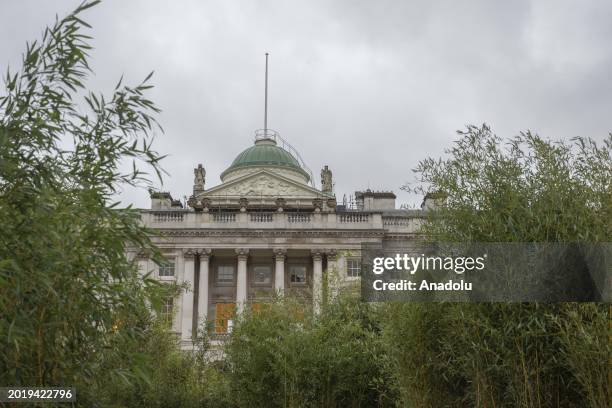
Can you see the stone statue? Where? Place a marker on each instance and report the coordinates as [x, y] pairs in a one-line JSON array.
[[326, 180], [199, 179]]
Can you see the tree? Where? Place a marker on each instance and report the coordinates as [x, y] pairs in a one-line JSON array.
[[70, 299], [527, 189]]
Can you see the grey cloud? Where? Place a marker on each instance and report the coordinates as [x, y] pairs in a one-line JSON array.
[[369, 88]]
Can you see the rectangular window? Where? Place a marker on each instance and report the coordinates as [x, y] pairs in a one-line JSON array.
[[262, 274], [353, 267], [167, 311], [225, 274], [297, 274], [167, 268]]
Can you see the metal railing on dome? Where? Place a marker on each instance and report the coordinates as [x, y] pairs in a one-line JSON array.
[[274, 135]]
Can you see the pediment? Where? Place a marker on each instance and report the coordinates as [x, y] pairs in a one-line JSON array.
[[263, 183]]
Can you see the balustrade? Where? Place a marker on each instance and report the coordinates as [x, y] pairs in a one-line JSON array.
[[298, 217], [224, 217], [349, 218], [168, 216], [262, 217], [277, 219]]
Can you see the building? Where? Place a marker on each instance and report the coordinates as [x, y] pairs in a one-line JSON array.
[[264, 230]]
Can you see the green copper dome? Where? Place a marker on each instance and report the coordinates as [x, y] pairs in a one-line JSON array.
[[265, 153]]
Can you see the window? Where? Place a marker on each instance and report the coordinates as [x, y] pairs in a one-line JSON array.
[[225, 274], [297, 274], [167, 310], [167, 268], [353, 267], [262, 274]]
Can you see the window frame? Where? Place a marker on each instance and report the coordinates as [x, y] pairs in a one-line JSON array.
[[253, 275], [168, 315], [349, 269], [298, 284], [172, 260], [224, 282]]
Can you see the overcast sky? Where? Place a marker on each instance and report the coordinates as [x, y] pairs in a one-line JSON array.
[[366, 87]]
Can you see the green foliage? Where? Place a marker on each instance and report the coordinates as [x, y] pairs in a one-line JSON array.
[[527, 189], [70, 299], [283, 357], [75, 312], [499, 355], [175, 378], [526, 355]]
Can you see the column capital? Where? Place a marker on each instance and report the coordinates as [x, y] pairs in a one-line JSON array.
[[141, 255], [332, 254], [242, 252], [317, 254], [280, 254], [189, 253], [204, 253]]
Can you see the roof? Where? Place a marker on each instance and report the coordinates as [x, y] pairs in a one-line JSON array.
[[264, 153]]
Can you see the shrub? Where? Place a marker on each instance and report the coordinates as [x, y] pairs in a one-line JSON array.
[[282, 356]]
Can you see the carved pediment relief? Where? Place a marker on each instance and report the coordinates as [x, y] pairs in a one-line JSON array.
[[262, 184]]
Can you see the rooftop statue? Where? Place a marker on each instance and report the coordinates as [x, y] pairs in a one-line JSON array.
[[326, 180], [199, 179]]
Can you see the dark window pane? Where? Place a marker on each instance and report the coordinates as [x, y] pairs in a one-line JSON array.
[[262, 274], [297, 274]]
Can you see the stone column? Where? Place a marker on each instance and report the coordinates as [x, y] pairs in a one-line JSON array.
[[279, 271], [187, 309], [241, 281], [317, 280], [333, 279], [203, 285]]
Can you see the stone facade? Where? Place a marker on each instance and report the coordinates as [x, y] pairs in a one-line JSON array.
[[263, 232]]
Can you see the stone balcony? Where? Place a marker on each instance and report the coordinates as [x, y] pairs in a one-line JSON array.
[[280, 220]]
